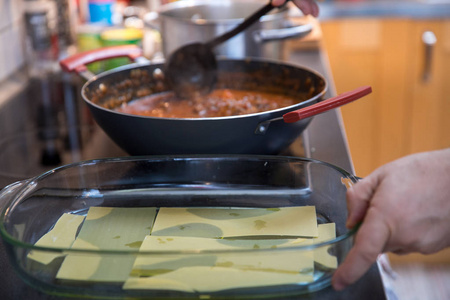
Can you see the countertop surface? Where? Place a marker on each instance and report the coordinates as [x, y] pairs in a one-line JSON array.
[[324, 139], [418, 9]]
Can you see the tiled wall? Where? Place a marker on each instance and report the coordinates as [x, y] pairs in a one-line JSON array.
[[11, 31]]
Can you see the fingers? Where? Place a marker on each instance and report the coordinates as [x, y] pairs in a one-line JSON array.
[[370, 238], [370, 241], [278, 2], [358, 199], [308, 7]]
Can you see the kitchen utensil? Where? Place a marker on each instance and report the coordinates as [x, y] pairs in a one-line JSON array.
[[30, 208], [192, 69], [139, 135], [190, 21], [318, 108]]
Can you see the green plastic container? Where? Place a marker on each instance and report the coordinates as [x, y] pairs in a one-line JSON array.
[[120, 36], [88, 38]]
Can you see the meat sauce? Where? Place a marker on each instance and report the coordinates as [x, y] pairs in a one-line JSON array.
[[220, 103]]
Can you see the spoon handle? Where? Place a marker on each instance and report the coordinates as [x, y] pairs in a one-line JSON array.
[[242, 26]]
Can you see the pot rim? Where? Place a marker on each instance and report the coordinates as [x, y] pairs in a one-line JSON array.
[[166, 9], [262, 115]]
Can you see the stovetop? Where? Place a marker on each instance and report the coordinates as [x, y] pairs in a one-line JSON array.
[[47, 125], [56, 129]]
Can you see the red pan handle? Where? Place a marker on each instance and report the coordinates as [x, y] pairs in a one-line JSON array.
[[326, 105], [77, 63]]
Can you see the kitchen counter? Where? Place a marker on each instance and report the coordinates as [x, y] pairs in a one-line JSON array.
[[324, 139], [418, 9]]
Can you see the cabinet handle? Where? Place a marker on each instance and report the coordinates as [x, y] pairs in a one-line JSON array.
[[429, 41]]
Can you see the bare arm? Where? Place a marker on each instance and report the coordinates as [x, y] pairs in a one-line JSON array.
[[404, 207]]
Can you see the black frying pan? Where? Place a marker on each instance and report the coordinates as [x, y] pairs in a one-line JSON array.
[[243, 134]]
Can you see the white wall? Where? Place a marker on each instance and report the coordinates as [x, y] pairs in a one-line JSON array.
[[11, 31]]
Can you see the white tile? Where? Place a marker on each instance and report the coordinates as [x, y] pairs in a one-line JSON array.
[[6, 12], [11, 11], [11, 49], [3, 60], [16, 10], [11, 53]]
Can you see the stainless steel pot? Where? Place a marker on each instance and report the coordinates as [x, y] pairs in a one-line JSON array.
[[188, 21], [242, 134]]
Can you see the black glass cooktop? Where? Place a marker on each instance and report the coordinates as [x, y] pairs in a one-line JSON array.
[[53, 127], [48, 125]]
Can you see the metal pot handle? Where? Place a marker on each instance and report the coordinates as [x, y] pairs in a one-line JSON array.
[[77, 63], [316, 108], [268, 35]]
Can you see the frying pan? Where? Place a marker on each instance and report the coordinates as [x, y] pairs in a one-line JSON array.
[[242, 134]]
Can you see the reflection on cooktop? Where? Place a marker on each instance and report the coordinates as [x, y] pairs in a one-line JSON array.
[[53, 127], [33, 152]]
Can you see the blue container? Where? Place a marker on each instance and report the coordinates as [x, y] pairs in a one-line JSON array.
[[101, 11]]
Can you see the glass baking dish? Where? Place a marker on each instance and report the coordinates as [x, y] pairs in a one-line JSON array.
[[31, 208]]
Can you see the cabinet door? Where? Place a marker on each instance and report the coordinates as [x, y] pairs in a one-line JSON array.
[[406, 113], [372, 52], [429, 93]]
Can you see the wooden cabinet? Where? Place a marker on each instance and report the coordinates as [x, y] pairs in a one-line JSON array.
[[405, 113], [430, 99]]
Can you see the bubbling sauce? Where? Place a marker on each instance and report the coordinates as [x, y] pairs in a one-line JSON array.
[[219, 103]]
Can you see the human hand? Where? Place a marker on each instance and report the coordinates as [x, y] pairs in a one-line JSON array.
[[308, 7], [404, 206]]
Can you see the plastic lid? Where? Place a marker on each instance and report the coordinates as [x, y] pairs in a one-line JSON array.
[[123, 34]]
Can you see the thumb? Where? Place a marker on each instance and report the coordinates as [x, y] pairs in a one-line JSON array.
[[359, 197]]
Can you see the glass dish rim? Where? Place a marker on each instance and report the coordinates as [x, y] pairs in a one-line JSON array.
[[65, 251]]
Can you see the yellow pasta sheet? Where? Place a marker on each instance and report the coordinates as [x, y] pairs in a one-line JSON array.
[[237, 222], [209, 279], [62, 235], [321, 255], [281, 262], [107, 228]]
